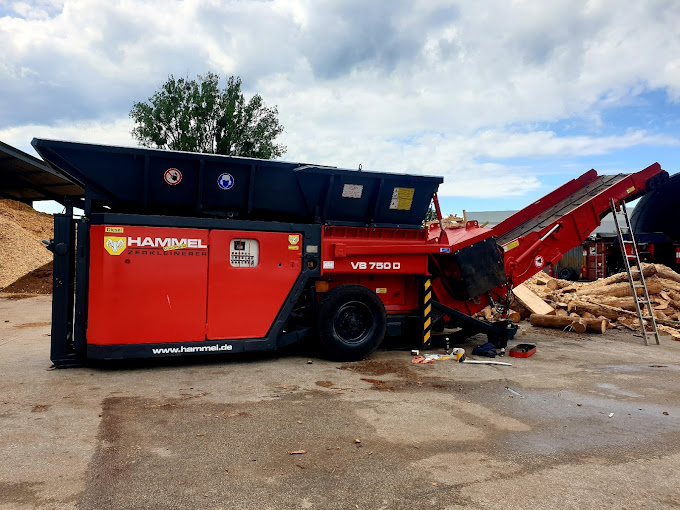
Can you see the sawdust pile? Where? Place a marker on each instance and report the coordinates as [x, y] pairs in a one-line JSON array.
[[38, 281], [22, 230]]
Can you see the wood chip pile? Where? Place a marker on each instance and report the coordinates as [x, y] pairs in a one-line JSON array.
[[605, 303], [452, 220], [22, 230]]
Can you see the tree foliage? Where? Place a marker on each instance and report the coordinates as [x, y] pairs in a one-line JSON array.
[[196, 116], [431, 214]]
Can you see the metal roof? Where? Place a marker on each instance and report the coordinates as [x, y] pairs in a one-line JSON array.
[[26, 178], [493, 217]]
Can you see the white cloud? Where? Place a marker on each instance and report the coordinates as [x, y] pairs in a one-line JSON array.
[[433, 87], [112, 132]]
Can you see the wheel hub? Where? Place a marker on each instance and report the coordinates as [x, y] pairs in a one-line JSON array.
[[352, 321]]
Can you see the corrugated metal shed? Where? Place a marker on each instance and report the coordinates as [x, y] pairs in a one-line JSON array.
[[493, 217], [26, 178]]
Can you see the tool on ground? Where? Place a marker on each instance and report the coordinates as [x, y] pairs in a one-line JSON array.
[[459, 355], [523, 350]]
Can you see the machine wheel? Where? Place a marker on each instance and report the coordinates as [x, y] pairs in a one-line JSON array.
[[351, 322], [567, 273]]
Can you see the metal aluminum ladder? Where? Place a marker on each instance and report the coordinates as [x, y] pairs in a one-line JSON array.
[[646, 313]]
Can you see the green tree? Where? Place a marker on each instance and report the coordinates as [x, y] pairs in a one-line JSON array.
[[196, 116], [431, 214]]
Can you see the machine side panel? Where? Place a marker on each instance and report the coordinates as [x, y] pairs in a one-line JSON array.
[[147, 285], [251, 274]]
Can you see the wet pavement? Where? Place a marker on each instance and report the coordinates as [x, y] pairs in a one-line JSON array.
[[589, 421]]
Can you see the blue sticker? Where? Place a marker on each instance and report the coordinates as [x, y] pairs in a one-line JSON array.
[[225, 181], [444, 250]]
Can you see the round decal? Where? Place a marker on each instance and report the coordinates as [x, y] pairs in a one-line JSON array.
[[172, 176], [225, 181], [538, 261]]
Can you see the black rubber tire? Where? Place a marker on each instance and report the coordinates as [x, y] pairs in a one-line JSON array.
[[566, 273], [351, 323], [656, 182]]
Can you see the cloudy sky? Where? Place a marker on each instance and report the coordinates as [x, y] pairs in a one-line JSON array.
[[505, 99]]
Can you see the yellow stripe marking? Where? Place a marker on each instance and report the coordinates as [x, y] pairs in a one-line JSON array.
[[426, 337], [428, 296], [427, 323], [428, 309], [427, 284]]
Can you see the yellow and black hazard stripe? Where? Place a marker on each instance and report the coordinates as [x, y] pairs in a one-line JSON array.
[[427, 311]]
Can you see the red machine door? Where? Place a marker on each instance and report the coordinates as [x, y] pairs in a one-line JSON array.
[[250, 276], [147, 285]]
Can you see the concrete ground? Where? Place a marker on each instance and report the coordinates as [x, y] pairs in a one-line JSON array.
[[591, 422]]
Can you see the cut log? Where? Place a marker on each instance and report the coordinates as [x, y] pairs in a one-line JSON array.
[[666, 272], [647, 270], [514, 316], [577, 325], [487, 313], [626, 303], [609, 312], [555, 284], [668, 285], [561, 312], [669, 331], [597, 325], [663, 304], [518, 307], [558, 322], [610, 325], [531, 301], [659, 315], [619, 289], [588, 315]]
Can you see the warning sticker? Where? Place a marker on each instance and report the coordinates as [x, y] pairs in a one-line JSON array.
[[402, 198], [510, 246], [114, 230], [352, 191], [329, 264], [226, 181], [172, 176], [631, 189], [244, 253], [381, 290]]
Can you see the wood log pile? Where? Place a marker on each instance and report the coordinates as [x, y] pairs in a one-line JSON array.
[[605, 303]]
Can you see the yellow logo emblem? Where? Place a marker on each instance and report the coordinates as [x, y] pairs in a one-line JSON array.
[[294, 238], [114, 245]]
